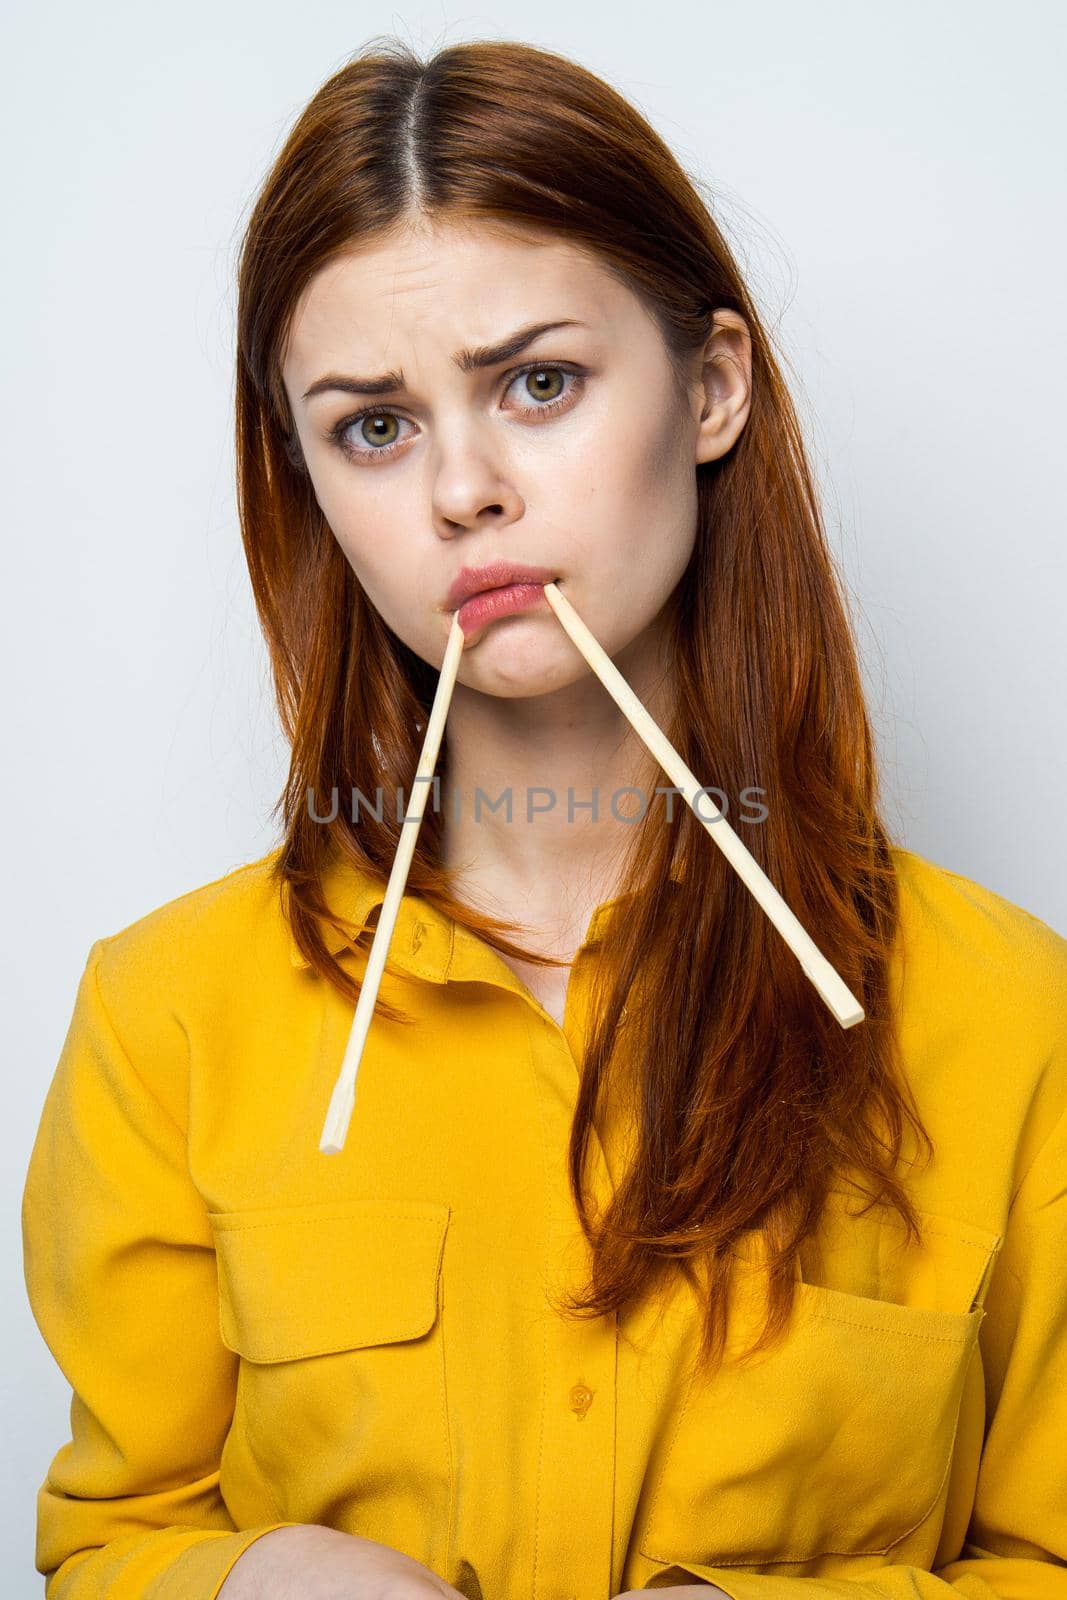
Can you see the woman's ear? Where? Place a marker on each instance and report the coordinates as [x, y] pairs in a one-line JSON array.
[[724, 388]]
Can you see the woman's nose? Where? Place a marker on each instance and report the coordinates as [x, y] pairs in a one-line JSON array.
[[471, 489]]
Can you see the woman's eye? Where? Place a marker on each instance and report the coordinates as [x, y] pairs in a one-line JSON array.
[[370, 435], [377, 429], [542, 384]]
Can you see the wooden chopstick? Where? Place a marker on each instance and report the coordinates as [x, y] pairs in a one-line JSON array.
[[339, 1115], [840, 999]]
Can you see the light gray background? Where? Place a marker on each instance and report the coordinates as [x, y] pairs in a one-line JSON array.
[[891, 177]]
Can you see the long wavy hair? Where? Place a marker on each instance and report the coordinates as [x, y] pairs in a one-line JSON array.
[[748, 1101]]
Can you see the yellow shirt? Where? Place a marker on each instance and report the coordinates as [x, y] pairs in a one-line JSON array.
[[257, 1333]]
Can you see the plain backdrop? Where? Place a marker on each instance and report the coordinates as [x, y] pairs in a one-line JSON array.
[[891, 178]]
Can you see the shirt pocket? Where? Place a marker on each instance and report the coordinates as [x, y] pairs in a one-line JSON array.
[[335, 1311], [839, 1440]]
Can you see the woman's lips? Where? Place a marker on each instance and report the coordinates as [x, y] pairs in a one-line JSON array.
[[493, 603]]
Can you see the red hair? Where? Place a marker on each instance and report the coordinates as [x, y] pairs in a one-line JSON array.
[[748, 1098]]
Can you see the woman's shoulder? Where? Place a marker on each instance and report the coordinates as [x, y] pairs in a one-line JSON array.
[[980, 989], [184, 980], [973, 925], [232, 927]]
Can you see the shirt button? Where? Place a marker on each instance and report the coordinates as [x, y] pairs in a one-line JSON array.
[[416, 938], [581, 1399]]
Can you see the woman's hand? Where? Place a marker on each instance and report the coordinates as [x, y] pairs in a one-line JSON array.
[[680, 1591], [313, 1562]]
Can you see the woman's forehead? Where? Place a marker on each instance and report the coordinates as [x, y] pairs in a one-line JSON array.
[[455, 263], [456, 293]]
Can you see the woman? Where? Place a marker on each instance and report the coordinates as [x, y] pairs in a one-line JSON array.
[[636, 1269]]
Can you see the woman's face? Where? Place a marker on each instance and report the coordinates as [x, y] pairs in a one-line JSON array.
[[575, 454]]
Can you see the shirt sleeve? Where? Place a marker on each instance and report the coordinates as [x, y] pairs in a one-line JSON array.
[[1016, 1544], [120, 1273]]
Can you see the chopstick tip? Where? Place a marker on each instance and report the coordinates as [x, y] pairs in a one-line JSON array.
[[338, 1117]]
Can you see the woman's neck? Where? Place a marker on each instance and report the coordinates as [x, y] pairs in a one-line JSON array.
[[536, 794]]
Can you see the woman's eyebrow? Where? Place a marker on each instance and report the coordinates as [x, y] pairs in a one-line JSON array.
[[467, 361]]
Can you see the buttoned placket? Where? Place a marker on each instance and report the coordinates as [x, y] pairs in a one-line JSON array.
[[573, 1544], [576, 1447], [577, 1450]]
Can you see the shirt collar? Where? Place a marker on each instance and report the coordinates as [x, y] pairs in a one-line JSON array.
[[425, 942]]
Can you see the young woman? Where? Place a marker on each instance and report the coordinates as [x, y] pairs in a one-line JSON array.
[[636, 1269]]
